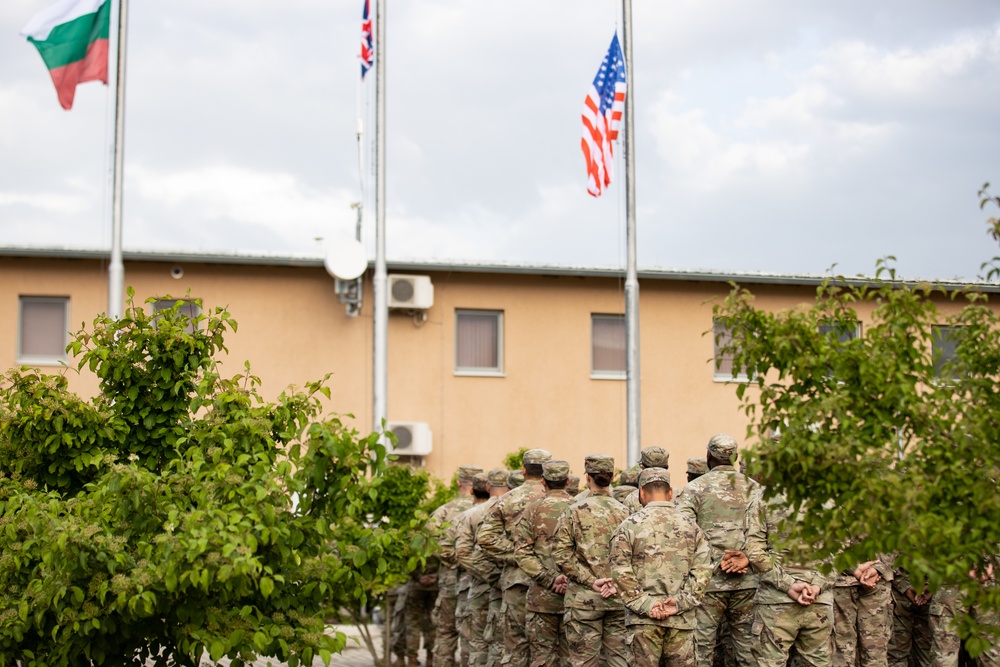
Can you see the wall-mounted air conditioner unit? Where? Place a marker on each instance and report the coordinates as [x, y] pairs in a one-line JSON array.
[[411, 292], [412, 438]]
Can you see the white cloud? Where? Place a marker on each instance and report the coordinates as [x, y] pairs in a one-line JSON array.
[[705, 159], [278, 201]]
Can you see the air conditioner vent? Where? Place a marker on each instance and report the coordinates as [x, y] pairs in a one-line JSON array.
[[412, 438], [410, 292]]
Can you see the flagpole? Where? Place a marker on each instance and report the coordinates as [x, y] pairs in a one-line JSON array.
[[116, 267], [381, 308], [632, 367]]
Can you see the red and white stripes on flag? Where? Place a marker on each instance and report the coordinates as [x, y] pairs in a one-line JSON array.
[[602, 118]]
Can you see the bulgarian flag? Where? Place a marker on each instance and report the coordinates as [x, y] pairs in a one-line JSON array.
[[72, 38]]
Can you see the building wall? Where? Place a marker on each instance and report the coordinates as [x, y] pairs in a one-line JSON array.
[[293, 329]]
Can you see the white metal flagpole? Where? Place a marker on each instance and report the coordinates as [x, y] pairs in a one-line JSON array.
[[381, 309], [632, 367], [116, 267]]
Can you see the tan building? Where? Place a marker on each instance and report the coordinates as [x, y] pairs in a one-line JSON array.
[[482, 359]]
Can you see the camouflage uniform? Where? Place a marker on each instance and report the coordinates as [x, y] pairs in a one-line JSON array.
[[594, 626], [515, 478], [717, 502], [532, 550], [446, 634], [657, 553], [862, 620], [395, 611], [780, 622], [910, 641], [926, 631], [484, 574], [420, 601], [649, 457], [495, 538]]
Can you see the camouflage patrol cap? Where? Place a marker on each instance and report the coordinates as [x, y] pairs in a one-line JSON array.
[[555, 470], [622, 492], [722, 447], [596, 463], [654, 474], [515, 478], [536, 456], [480, 482], [697, 465], [630, 476], [573, 484], [466, 473], [654, 457], [497, 477]]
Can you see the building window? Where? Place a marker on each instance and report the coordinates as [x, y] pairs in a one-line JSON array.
[[44, 330], [607, 342], [190, 308], [944, 341], [479, 342], [723, 363], [842, 331]]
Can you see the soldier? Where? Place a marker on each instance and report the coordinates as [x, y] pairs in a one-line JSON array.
[[627, 481], [421, 596], [697, 467], [661, 564], [573, 485], [446, 633], [480, 494], [532, 550], [717, 502], [594, 617], [649, 457], [496, 539], [395, 608], [794, 601], [922, 625], [483, 599], [862, 615]]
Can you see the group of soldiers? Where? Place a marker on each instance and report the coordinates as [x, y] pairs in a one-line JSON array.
[[532, 571]]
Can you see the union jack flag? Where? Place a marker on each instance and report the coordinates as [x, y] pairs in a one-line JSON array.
[[367, 54], [602, 118]]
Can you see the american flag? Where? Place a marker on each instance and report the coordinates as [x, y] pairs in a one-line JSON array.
[[367, 54], [602, 118]]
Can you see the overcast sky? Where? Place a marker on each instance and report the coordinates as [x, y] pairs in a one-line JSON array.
[[775, 135]]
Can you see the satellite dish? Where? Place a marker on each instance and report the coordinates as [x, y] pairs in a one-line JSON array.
[[346, 259]]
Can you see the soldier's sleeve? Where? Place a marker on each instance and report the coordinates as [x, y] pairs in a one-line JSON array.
[[564, 550], [687, 503], [473, 560], [901, 580], [635, 598], [446, 542], [492, 537], [696, 583], [883, 565], [524, 549], [763, 560]]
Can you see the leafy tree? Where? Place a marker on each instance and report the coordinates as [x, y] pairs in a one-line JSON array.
[[177, 513], [514, 460], [887, 446]]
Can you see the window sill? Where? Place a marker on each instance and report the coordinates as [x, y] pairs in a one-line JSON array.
[[42, 361], [730, 379], [487, 373], [607, 376]]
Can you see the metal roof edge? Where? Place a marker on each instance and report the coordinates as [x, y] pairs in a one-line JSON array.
[[461, 266]]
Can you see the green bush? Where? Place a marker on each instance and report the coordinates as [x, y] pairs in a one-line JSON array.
[[178, 513]]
